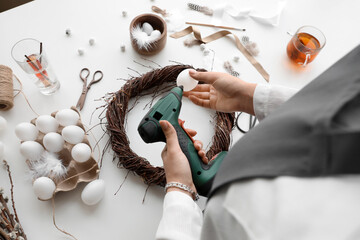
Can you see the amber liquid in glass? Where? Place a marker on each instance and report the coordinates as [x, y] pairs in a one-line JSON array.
[[301, 45]]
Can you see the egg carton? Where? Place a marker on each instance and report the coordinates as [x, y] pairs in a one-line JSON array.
[[77, 172]]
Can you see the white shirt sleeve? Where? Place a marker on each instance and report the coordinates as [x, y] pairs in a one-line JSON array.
[[182, 218], [268, 98]]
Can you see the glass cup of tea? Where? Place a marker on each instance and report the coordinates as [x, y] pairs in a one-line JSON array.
[[30, 56], [305, 45]]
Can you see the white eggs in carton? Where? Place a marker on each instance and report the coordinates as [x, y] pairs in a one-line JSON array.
[[67, 117], [46, 124], [31, 150], [58, 134], [53, 142], [73, 134], [81, 152], [26, 131], [44, 188]]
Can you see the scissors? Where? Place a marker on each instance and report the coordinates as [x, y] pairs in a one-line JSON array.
[[86, 87]]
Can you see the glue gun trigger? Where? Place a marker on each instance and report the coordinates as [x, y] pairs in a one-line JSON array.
[[197, 144]]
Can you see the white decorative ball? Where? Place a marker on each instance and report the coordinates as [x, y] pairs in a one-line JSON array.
[[68, 32], [184, 79], [44, 188], [81, 51], [122, 47], [91, 41]]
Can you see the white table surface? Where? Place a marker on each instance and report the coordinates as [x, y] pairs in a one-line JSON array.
[[124, 216]]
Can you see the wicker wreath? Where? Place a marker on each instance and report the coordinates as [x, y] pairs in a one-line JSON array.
[[154, 82]]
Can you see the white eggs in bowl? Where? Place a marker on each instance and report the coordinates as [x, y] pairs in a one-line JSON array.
[[67, 117], [53, 142], [73, 134], [46, 124], [81, 152], [26, 131], [44, 188], [93, 192], [31, 150]]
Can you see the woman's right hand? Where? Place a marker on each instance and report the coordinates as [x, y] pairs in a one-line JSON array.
[[222, 92]]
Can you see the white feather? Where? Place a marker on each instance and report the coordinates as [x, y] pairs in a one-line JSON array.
[[49, 165], [142, 40]]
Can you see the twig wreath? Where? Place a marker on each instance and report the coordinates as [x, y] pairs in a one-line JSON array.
[[154, 82]]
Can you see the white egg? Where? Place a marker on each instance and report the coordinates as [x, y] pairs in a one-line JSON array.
[[53, 142], [146, 27], [31, 150], [44, 188], [154, 35], [73, 134], [2, 150], [67, 117], [46, 124], [81, 152], [93, 192], [3, 123], [26, 131], [186, 81]]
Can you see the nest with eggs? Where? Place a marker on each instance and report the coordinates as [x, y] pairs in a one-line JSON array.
[[154, 82]]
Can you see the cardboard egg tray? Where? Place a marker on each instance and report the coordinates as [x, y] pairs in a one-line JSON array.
[[76, 172]]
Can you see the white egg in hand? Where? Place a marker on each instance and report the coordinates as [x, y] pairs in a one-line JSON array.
[[67, 117], [2, 150], [44, 188], [31, 150], [93, 192], [186, 81], [73, 134], [3, 123], [46, 124], [26, 131], [53, 142], [154, 35], [146, 27], [81, 152]]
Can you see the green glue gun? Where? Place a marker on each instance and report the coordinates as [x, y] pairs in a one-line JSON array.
[[168, 108]]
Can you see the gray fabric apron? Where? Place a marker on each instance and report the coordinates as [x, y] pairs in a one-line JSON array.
[[315, 133]]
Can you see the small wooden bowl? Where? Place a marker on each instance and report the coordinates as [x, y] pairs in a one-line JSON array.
[[158, 24]]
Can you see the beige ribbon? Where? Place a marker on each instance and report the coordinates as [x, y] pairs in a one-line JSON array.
[[221, 34]]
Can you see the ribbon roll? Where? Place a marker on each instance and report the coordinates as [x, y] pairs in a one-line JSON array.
[[221, 34], [6, 88]]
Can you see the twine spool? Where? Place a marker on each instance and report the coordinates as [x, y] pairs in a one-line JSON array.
[[6, 88]]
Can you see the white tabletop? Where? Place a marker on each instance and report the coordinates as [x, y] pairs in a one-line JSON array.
[[125, 216]]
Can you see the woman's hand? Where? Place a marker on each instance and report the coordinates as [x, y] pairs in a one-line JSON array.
[[222, 92], [176, 165]]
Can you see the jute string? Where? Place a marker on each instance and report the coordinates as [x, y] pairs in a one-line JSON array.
[[221, 34], [6, 88]]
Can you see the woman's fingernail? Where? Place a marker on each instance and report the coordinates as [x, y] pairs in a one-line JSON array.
[[192, 71], [164, 125]]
